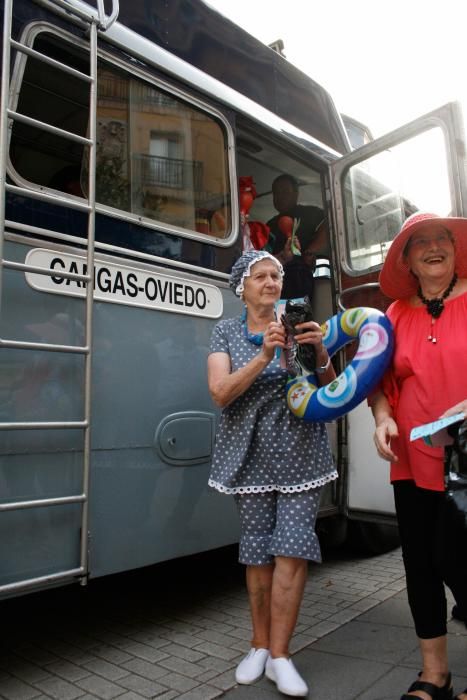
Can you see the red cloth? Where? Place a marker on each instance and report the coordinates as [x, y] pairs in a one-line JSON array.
[[259, 234], [425, 379]]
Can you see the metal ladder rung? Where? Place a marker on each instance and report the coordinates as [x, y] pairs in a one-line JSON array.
[[48, 347], [38, 124], [73, 12], [50, 61], [46, 197], [45, 425], [41, 580], [26, 228], [13, 265], [42, 502]]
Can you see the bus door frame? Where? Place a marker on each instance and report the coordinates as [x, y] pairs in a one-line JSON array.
[[366, 487]]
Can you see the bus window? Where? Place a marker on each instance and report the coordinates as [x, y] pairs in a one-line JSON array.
[[264, 163], [159, 158], [359, 134], [383, 190]]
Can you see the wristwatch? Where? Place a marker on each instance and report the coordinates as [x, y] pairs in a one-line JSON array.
[[323, 368]]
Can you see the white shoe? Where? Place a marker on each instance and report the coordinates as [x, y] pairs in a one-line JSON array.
[[252, 666], [286, 677]]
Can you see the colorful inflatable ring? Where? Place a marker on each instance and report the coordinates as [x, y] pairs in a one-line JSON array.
[[374, 331]]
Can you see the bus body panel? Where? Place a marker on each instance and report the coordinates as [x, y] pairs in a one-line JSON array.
[[152, 419], [145, 504], [204, 38]]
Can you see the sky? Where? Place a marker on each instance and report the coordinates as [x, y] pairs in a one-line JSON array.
[[384, 63]]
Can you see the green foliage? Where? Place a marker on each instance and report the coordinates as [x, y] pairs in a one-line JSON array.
[[112, 183]]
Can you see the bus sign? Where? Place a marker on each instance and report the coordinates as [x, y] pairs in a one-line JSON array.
[[121, 284]]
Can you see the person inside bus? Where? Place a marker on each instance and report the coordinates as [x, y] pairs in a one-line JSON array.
[[299, 268], [295, 233], [273, 463], [425, 272], [304, 218]]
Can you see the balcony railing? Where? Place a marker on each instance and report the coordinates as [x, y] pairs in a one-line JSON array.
[[175, 173]]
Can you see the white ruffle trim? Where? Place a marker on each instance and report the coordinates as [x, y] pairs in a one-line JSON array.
[[315, 483]]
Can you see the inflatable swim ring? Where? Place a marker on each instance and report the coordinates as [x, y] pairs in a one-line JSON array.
[[307, 400]]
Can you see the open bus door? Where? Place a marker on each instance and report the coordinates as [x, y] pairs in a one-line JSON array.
[[420, 166]]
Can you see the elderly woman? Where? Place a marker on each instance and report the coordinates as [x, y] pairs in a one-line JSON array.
[[425, 271], [272, 462]]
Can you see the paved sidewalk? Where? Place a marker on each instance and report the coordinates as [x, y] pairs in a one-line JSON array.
[[177, 630]]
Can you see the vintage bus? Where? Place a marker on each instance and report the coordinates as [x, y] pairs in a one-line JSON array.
[[124, 133]]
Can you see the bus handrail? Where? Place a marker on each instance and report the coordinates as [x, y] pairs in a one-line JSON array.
[[104, 21], [357, 288]]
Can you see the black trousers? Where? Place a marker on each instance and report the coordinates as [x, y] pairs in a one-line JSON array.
[[431, 557]]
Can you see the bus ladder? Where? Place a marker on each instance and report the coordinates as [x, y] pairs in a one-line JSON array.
[[93, 20]]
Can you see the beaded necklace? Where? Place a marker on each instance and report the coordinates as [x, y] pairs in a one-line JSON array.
[[255, 338], [435, 307]]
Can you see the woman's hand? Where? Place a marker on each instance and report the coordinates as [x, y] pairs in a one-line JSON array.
[[310, 333], [386, 429], [274, 337], [460, 407]]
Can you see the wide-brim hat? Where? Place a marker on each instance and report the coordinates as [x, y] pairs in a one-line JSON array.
[[395, 279]]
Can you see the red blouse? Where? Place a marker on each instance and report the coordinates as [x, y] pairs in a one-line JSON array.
[[425, 379]]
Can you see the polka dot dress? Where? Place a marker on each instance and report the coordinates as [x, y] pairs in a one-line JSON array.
[[278, 524], [260, 445]]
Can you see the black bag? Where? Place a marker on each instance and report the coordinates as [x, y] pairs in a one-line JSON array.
[[453, 531], [455, 480]]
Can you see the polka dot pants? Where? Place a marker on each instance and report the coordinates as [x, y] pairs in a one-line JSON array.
[[278, 524]]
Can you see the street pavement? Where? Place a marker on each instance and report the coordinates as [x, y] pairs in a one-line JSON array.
[[178, 629]]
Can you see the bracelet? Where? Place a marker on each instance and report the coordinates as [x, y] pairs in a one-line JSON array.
[[323, 368]]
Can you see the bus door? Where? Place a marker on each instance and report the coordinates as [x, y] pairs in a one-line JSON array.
[[262, 160], [420, 166]]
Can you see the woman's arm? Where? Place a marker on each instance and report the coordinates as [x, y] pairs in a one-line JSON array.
[[386, 426], [224, 385], [460, 407]]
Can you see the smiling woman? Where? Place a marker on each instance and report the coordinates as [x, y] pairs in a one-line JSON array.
[[426, 272]]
